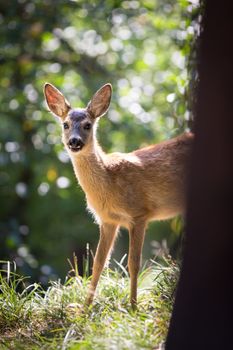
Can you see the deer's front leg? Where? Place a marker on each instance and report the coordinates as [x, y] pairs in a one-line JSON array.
[[107, 238], [136, 239]]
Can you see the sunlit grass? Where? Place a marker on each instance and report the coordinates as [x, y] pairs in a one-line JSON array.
[[33, 318]]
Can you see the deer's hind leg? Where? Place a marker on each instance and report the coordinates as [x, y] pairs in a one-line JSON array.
[[136, 239]]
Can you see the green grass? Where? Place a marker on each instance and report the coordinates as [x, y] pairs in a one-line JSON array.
[[33, 318]]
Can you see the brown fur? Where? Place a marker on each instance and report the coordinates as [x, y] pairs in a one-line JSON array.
[[124, 189]]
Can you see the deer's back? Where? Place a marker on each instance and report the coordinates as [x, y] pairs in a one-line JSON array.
[[151, 181]]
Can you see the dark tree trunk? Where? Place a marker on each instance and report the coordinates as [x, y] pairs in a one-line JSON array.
[[203, 312]]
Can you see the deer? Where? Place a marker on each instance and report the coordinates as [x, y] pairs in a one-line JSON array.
[[122, 189]]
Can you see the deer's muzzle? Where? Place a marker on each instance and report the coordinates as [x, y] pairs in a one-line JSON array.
[[75, 144]]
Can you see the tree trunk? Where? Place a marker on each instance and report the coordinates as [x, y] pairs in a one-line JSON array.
[[203, 311]]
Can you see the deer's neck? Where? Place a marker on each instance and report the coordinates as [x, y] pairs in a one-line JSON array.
[[89, 168]]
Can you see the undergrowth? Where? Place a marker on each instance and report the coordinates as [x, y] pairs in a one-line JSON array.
[[56, 318]]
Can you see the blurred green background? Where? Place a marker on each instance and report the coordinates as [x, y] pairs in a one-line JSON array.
[[143, 49]]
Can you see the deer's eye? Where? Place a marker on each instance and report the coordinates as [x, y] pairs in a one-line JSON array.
[[87, 126], [66, 125]]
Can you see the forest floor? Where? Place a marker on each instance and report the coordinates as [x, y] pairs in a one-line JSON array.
[[33, 318]]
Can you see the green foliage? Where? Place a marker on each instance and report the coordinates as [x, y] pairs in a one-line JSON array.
[[141, 48], [57, 319]]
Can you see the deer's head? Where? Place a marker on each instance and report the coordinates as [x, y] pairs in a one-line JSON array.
[[78, 124]]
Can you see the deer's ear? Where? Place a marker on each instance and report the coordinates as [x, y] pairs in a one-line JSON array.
[[100, 102], [56, 101]]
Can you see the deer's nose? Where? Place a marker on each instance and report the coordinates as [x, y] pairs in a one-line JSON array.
[[75, 142]]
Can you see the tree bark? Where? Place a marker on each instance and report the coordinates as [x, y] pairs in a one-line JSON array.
[[203, 311]]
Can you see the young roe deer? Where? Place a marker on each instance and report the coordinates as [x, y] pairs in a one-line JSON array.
[[122, 189]]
